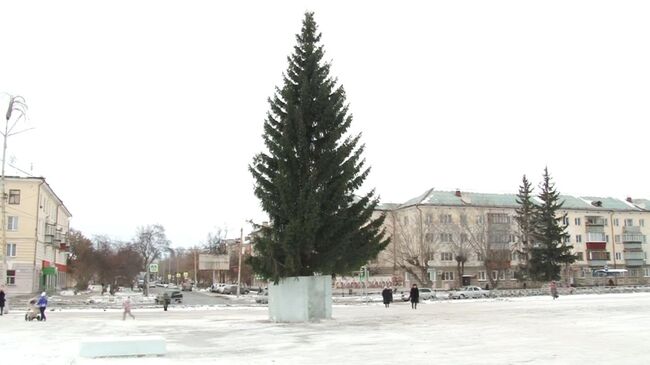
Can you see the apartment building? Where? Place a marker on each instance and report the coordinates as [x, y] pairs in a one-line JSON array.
[[36, 225], [432, 234]]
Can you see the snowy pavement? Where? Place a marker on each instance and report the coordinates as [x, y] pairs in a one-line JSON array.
[[587, 329]]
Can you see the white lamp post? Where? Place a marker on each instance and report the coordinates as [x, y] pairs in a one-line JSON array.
[[17, 107]]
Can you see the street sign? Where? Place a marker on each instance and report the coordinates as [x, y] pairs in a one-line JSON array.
[[169, 276], [178, 275], [153, 267], [186, 275]]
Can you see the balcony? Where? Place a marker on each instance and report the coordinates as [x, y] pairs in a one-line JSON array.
[[629, 237], [631, 263], [632, 246], [595, 237], [594, 221], [599, 246], [597, 263], [598, 256], [634, 255], [631, 229]]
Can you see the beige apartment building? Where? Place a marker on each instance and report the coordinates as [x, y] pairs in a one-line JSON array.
[[36, 226], [432, 233]]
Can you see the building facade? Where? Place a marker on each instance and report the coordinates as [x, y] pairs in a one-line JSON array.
[[36, 224], [445, 239]]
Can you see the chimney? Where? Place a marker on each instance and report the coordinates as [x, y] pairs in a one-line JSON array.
[[458, 193], [629, 199]]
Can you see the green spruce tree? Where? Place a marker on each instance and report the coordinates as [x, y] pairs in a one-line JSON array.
[[550, 251], [524, 217], [307, 179]]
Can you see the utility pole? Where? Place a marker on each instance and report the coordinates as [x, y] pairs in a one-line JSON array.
[[195, 268], [241, 245], [16, 104]]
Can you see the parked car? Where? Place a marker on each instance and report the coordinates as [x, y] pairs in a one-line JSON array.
[[232, 289], [262, 297], [425, 294], [186, 286], [469, 292], [217, 288], [175, 297]]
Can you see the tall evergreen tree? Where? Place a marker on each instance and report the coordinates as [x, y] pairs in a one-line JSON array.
[[525, 218], [550, 251], [307, 179]]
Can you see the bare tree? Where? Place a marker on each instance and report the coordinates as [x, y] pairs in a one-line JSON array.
[[492, 245], [415, 242], [216, 242], [150, 242]]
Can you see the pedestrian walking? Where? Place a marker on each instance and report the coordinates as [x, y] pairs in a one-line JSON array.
[[42, 305], [415, 296], [387, 294], [127, 308], [553, 287], [2, 302], [166, 301]]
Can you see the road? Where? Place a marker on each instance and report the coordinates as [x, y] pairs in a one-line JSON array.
[[204, 298]]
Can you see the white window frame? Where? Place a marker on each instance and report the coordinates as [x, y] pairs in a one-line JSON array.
[[446, 256], [447, 276], [617, 238], [578, 238], [576, 221], [12, 223], [481, 276], [618, 256], [641, 222], [11, 250], [630, 221]]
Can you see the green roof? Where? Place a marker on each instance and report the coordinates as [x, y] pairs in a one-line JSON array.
[[452, 198]]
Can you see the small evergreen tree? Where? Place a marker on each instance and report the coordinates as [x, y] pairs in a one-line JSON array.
[[524, 217], [306, 181], [550, 251]]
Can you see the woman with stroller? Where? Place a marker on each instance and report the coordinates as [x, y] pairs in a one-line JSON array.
[[42, 305]]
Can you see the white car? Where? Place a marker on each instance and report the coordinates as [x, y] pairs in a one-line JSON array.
[[469, 292]]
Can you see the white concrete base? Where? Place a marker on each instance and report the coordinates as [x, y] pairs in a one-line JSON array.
[[123, 346], [301, 299]]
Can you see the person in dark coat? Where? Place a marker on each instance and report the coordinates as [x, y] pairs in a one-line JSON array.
[[415, 296], [2, 302], [387, 294], [166, 301]]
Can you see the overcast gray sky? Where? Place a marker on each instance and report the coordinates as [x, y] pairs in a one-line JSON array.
[[150, 111]]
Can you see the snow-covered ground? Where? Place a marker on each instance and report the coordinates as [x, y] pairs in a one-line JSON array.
[[576, 329]]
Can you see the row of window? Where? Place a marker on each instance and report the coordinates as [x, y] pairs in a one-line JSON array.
[[503, 218], [593, 255], [464, 238], [628, 222], [449, 256], [502, 275], [493, 218], [601, 237]]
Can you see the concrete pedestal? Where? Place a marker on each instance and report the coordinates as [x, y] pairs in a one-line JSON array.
[[301, 299]]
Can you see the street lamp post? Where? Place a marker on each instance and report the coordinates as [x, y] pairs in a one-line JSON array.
[[18, 107]]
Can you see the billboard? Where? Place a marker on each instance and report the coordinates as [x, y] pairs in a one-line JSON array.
[[213, 262]]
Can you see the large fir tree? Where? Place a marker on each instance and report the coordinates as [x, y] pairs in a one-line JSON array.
[[525, 218], [550, 251], [307, 179]]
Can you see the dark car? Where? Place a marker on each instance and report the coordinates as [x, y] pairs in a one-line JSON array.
[[174, 296]]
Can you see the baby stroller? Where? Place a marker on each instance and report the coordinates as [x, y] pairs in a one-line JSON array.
[[33, 312]]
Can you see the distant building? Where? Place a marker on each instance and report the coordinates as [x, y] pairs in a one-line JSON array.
[[432, 233], [36, 226]]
